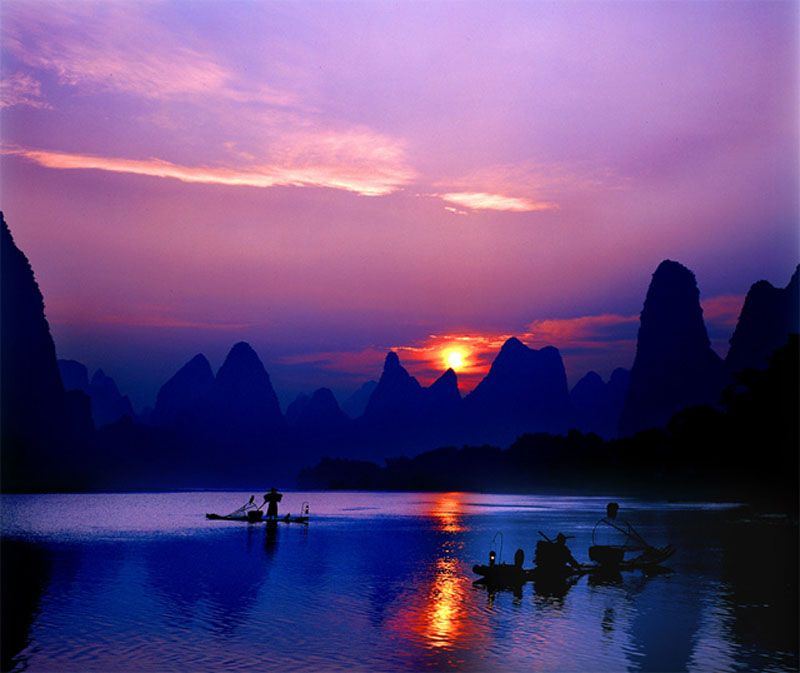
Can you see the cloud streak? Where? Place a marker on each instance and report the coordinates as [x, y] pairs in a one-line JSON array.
[[487, 201], [364, 170], [119, 47]]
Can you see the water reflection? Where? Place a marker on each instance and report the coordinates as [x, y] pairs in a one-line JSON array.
[[397, 590], [25, 572], [447, 511], [438, 614], [215, 578]]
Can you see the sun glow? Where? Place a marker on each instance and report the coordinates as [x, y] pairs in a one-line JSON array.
[[455, 359]]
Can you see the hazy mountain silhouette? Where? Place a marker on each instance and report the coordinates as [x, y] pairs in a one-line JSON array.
[[322, 414], [41, 424], [768, 317], [524, 391], [597, 405], [184, 391], [321, 427], [355, 405], [675, 366], [295, 409], [108, 404]]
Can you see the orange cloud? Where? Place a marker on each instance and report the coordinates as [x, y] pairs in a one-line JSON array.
[[365, 170], [601, 342]]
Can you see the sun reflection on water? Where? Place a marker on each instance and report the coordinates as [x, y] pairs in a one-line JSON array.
[[438, 615], [447, 511]]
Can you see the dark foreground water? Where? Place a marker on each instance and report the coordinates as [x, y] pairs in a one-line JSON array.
[[382, 582]]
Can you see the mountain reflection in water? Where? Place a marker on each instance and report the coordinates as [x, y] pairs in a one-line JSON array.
[[383, 582]]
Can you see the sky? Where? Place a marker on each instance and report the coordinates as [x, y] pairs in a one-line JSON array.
[[331, 180]]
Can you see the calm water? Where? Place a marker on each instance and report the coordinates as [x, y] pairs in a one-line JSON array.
[[382, 582]]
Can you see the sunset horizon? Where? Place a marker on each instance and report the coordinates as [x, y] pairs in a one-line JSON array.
[[258, 175]]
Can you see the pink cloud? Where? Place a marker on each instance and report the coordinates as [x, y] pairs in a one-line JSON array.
[[723, 310], [121, 47], [351, 165], [526, 186], [143, 320], [593, 331], [22, 89], [486, 201]]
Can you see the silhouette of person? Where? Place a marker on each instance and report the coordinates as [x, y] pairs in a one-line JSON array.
[[555, 556], [519, 559], [613, 532], [272, 499], [563, 554]]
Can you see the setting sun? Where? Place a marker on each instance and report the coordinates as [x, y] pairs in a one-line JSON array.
[[455, 359]]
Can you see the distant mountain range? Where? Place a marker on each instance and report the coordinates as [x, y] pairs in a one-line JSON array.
[[228, 429]]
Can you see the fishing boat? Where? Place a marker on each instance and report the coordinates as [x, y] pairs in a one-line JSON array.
[[512, 575], [257, 516]]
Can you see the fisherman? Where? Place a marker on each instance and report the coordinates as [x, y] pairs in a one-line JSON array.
[[555, 556], [273, 498], [612, 538], [613, 532], [563, 552]]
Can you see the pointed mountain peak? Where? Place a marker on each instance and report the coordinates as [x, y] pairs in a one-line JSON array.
[[448, 376], [242, 351], [675, 366], [513, 345], [448, 379], [445, 388], [198, 362], [769, 315], [392, 362]]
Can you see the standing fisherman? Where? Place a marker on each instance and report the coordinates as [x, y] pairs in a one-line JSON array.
[[273, 498]]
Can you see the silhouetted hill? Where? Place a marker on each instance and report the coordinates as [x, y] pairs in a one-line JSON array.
[[442, 396], [768, 317], [43, 427], [397, 398], [355, 405], [698, 455], [108, 404], [322, 413], [524, 391], [184, 391], [295, 409], [597, 405], [74, 375], [242, 405], [675, 366]]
